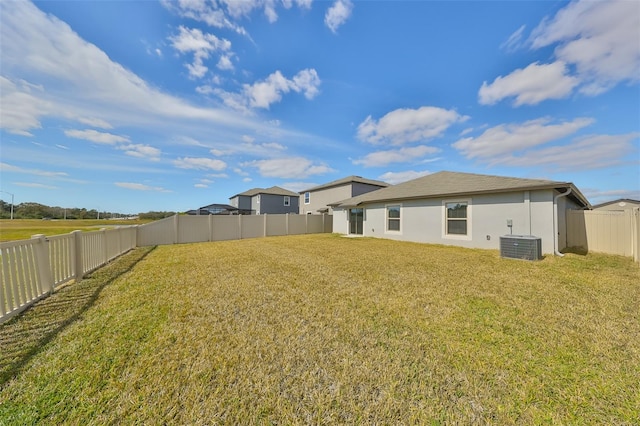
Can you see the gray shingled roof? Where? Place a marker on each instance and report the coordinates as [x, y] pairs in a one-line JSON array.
[[444, 184], [347, 180], [274, 190]]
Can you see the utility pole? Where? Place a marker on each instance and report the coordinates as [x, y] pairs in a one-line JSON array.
[[11, 202]]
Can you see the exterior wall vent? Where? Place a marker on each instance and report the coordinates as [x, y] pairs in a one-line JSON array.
[[526, 247]]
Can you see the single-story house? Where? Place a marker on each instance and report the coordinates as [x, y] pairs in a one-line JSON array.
[[318, 199], [619, 205], [463, 209], [274, 200]]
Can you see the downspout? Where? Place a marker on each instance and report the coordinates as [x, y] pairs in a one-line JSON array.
[[556, 251]]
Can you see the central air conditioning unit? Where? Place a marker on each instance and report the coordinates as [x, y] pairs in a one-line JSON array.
[[525, 247]]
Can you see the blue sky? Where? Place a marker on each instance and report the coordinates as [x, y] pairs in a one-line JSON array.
[[133, 106]]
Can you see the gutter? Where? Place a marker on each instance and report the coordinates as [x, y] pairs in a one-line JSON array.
[[555, 221]]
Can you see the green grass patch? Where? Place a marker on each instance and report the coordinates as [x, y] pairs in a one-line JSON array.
[[23, 229], [321, 329]]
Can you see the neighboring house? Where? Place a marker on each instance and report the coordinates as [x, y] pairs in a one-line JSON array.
[[463, 209], [318, 199], [274, 200], [618, 205], [217, 209]]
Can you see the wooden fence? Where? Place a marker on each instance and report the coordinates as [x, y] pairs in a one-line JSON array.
[[32, 269], [613, 232]]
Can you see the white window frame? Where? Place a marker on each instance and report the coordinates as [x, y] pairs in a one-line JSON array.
[[468, 235], [386, 219], [258, 199], [307, 197], [287, 201]]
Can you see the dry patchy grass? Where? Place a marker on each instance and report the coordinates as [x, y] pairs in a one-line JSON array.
[[328, 330]]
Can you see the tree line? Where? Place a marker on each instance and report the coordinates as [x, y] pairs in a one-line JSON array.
[[40, 211]]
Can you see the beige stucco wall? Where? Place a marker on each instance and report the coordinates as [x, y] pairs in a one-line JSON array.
[[531, 213], [319, 199]]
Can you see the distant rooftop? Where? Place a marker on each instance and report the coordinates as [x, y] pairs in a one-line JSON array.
[[274, 190], [347, 180]]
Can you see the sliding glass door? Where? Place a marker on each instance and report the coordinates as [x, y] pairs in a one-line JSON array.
[[356, 221]]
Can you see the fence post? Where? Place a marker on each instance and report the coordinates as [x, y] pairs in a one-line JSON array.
[[78, 258], [176, 228], [105, 255], [264, 228], [42, 259]]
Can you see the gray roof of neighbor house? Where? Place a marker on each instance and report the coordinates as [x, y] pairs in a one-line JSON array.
[[274, 190], [619, 200], [345, 181], [445, 184]]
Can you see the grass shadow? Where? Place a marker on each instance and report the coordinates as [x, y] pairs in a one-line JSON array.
[[24, 336]]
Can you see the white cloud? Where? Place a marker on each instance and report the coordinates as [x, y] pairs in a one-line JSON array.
[[530, 85], [588, 152], [193, 40], [408, 125], [140, 187], [338, 14], [94, 122], [395, 178], [21, 111], [288, 167], [200, 163], [599, 37], [80, 80], [8, 168], [95, 136], [200, 185], [402, 155], [270, 90], [35, 185], [514, 41], [505, 139], [141, 151]]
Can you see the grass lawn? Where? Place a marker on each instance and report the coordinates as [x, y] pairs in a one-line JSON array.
[[320, 329], [23, 229]]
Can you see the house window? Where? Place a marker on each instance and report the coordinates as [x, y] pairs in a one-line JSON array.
[[393, 218], [258, 198], [287, 200], [456, 218], [307, 197]]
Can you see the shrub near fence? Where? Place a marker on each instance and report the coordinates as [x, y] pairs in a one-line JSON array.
[[33, 269]]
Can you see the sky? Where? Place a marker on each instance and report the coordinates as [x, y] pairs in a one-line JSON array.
[[137, 106]]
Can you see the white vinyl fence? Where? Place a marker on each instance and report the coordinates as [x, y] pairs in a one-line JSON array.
[[196, 229], [613, 232], [33, 269]]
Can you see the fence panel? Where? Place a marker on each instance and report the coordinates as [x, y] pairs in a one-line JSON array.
[[252, 226], [20, 283], [225, 228], [298, 224], [157, 233], [62, 258], [276, 224], [193, 229], [603, 231]]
